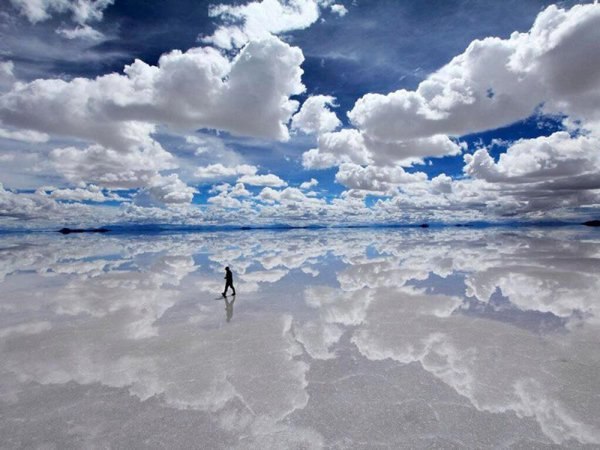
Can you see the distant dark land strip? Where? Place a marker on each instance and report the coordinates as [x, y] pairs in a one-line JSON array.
[[118, 229]]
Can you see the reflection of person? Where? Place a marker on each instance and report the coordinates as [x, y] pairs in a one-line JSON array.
[[228, 281], [229, 308]]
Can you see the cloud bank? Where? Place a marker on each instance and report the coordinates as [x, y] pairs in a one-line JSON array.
[[241, 99]]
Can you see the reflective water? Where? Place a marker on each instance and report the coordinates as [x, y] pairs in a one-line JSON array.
[[338, 339]]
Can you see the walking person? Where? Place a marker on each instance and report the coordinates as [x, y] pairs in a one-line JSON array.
[[228, 281]]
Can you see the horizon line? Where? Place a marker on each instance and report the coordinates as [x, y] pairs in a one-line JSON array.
[[161, 227]]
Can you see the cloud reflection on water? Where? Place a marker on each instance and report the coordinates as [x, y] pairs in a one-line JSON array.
[[416, 311]]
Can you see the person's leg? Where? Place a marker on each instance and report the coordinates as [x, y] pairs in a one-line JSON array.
[[232, 288]]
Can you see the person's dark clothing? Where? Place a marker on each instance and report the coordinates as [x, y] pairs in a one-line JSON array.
[[228, 281]]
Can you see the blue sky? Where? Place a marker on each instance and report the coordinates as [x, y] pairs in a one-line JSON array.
[[300, 112]]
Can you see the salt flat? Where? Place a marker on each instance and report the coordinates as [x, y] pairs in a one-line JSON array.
[[382, 338]]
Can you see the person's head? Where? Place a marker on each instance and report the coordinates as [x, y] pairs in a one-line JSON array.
[[227, 268]]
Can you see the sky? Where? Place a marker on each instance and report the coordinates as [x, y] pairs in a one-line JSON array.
[[298, 112]]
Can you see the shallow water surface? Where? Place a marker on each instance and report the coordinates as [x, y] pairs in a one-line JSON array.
[[383, 338]]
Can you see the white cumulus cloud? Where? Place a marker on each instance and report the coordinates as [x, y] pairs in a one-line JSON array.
[[262, 180], [339, 9], [219, 171], [497, 81], [81, 11], [201, 88], [309, 184], [373, 178], [260, 19], [165, 190], [315, 115]]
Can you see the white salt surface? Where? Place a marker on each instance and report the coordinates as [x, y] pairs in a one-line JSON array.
[[453, 338]]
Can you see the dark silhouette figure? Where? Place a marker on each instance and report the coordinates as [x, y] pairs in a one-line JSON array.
[[229, 308], [83, 230], [228, 281]]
